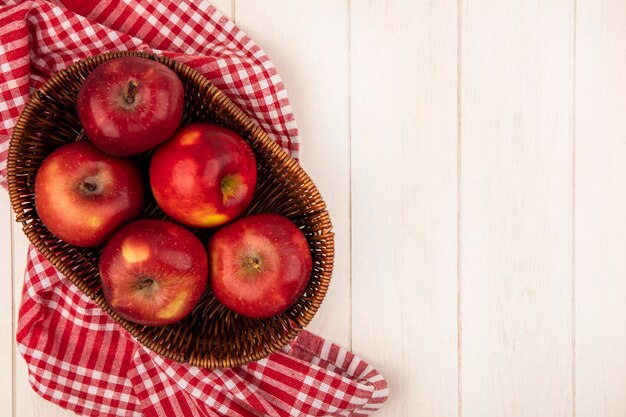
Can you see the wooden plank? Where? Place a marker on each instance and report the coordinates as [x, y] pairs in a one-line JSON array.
[[600, 207], [225, 6], [312, 60], [6, 315], [516, 207], [404, 200]]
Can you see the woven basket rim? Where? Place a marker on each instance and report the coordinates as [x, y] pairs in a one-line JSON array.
[[260, 137]]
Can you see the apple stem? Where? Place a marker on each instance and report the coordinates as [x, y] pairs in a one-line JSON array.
[[131, 91], [228, 186], [255, 264]]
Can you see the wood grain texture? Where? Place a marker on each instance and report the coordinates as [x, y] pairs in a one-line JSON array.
[[225, 6], [374, 90], [404, 200], [516, 208], [600, 208], [312, 59], [6, 313]]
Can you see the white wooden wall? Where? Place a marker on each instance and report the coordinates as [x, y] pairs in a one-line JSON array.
[[473, 156]]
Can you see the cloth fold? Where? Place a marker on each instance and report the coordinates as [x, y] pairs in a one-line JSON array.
[[77, 356]]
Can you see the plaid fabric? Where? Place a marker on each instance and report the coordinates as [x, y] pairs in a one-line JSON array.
[[77, 356], [81, 359], [39, 39]]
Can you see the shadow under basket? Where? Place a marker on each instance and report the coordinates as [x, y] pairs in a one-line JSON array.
[[211, 336]]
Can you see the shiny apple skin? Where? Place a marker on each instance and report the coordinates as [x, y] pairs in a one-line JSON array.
[[82, 195], [120, 127], [204, 176], [259, 265], [153, 272]]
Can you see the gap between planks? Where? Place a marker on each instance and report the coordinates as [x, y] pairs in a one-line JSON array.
[[14, 354], [349, 99], [573, 290], [459, 317]]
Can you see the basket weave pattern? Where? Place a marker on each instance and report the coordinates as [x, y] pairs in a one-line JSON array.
[[212, 336]]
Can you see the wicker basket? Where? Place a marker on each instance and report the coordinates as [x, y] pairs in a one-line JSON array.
[[212, 336]]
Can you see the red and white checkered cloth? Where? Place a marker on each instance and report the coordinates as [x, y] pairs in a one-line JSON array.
[[77, 356]]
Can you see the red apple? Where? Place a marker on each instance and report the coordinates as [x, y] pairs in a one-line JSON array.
[[129, 105], [204, 176], [153, 272], [82, 195], [260, 265]]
